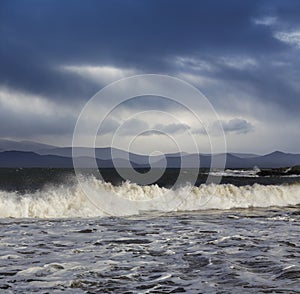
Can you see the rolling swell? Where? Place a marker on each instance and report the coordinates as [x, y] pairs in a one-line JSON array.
[[69, 200]]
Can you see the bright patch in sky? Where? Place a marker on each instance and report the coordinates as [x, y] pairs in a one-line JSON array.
[[292, 38], [99, 74], [265, 21]]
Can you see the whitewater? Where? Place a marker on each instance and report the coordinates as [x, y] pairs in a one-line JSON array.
[[58, 235], [71, 201]]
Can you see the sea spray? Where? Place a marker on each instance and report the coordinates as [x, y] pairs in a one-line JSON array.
[[70, 200]]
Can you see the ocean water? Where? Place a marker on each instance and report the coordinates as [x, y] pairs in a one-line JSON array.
[[240, 236]]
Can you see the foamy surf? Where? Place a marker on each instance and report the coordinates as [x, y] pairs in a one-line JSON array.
[[68, 201]]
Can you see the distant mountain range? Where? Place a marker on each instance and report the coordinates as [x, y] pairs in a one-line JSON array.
[[32, 154]]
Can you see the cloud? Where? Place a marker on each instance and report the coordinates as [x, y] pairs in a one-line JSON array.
[[265, 21], [138, 127], [100, 74], [291, 38], [240, 63], [168, 129], [109, 125], [237, 126], [132, 127], [173, 128], [40, 40], [55, 56], [27, 116]]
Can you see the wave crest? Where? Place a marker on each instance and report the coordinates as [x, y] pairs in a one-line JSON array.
[[68, 201]]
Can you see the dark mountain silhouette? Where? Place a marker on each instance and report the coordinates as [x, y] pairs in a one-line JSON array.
[[31, 159], [275, 159], [23, 159], [44, 155], [101, 153]]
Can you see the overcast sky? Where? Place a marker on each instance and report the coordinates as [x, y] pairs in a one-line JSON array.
[[243, 55]]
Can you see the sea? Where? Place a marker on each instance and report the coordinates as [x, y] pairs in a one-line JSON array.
[[240, 235]]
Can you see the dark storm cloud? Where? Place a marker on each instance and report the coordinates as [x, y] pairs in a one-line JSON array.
[[271, 81], [211, 39], [32, 74], [39, 37]]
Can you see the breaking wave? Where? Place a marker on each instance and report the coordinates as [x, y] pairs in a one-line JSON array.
[[67, 201]]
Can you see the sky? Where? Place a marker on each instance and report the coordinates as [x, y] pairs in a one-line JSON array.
[[242, 55]]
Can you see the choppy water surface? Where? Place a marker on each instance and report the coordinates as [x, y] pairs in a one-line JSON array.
[[226, 251], [240, 236]]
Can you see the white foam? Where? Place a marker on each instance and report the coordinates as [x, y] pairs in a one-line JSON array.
[[71, 201], [236, 173]]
